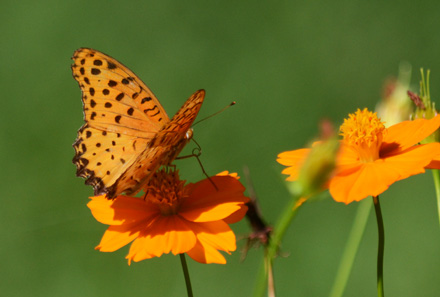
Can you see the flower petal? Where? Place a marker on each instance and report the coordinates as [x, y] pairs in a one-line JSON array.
[[435, 164], [122, 209], [212, 236], [117, 236], [139, 251], [217, 234], [413, 160], [347, 159], [405, 134], [164, 235], [372, 179], [360, 183], [227, 173], [294, 159], [206, 254], [208, 203], [236, 216]]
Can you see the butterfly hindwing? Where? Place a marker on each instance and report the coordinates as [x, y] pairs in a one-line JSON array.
[[184, 118]]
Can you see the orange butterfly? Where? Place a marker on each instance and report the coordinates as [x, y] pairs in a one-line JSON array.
[[127, 135]]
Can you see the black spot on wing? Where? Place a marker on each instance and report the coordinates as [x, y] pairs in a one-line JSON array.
[[111, 65], [120, 96], [95, 71]]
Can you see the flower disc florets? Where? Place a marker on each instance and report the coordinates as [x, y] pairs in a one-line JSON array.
[[363, 131], [167, 191]]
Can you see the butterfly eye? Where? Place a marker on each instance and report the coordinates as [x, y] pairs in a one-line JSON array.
[[189, 134]]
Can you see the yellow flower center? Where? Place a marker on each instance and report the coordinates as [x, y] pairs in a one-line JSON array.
[[363, 131], [166, 191]]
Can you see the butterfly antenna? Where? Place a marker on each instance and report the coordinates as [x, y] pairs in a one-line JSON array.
[[197, 152], [204, 172], [215, 113]]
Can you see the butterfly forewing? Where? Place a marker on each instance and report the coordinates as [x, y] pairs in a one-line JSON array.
[[127, 135], [114, 98]]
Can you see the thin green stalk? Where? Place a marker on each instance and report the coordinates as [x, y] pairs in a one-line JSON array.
[[351, 248], [272, 249], [381, 246], [261, 284], [436, 175], [186, 274]]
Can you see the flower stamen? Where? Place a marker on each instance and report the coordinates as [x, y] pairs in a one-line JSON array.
[[166, 191], [363, 131]]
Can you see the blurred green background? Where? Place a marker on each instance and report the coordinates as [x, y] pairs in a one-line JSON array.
[[288, 64]]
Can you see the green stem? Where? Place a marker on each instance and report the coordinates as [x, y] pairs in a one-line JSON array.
[[186, 274], [351, 248], [261, 284], [272, 249], [436, 175], [380, 252]]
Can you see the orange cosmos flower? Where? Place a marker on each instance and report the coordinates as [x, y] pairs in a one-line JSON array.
[[173, 217], [372, 157]]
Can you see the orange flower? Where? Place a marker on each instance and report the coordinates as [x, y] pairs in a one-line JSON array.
[[173, 217], [372, 157]]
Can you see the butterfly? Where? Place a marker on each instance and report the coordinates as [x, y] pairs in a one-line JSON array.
[[127, 135]]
